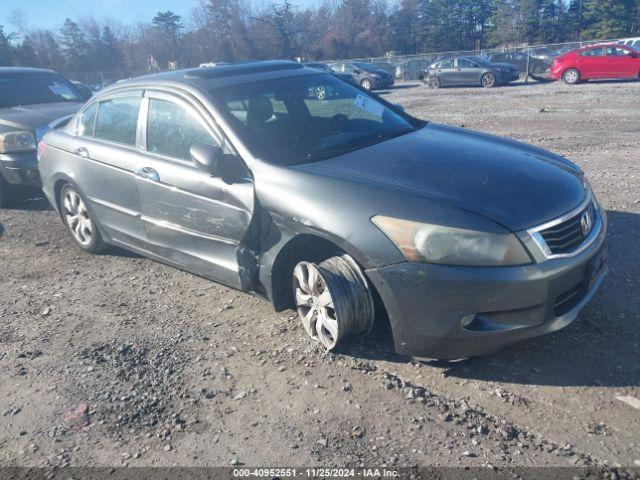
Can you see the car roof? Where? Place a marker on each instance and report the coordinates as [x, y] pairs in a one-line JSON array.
[[24, 70], [209, 78]]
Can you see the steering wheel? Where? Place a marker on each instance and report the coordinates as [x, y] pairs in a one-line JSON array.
[[336, 123]]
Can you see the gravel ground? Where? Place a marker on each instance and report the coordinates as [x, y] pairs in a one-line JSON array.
[[117, 360]]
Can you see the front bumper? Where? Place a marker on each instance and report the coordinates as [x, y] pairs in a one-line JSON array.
[[426, 303], [379, 83], [20, 169], [508, 77]]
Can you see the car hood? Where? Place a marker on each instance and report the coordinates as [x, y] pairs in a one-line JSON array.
[[515, 185], [33, 117]]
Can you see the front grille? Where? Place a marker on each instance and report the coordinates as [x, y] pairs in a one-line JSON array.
[[569, 235]]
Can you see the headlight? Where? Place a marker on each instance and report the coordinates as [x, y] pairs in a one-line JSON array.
[[422, 242], [20, 141]]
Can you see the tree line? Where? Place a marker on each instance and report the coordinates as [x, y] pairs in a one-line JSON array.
[[234, 30]]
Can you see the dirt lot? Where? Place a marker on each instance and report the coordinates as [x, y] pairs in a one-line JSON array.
[[116, 360]]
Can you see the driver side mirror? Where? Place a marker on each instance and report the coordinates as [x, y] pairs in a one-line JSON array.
[[399, 107], [208, 158], [633, 55]]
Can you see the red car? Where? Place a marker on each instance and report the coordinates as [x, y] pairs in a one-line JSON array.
[[597, 62]]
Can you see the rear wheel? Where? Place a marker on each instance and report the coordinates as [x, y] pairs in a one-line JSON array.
[[571, 76], [366, 84], [78, 219], [488, 80], [333, 300]]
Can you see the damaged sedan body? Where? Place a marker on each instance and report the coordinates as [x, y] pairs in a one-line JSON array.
[[332, 204]]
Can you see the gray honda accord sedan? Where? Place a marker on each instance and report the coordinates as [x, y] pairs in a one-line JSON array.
[[343, 207]]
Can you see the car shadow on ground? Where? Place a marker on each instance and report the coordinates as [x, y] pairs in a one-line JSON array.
[[598, 349], [32, 201]]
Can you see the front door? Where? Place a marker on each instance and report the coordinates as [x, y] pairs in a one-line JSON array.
[[193, 219], [621, 63]]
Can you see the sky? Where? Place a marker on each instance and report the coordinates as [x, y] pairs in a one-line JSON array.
[[51, 13]]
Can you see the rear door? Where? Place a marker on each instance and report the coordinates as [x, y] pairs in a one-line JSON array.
[[192, 219], [468, 72], [446, 72], [107, 156], [593, 63]]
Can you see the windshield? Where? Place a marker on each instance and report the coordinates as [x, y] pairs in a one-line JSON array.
[[480, 60], [367, 67], [293, 120], [29, 88]]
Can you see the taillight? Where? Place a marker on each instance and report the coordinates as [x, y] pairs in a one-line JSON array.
[[41, 148]]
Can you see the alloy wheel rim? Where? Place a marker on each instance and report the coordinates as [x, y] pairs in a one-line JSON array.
[[571, 76], [315, 305], [366, 84], [488, 80], [77, 217]]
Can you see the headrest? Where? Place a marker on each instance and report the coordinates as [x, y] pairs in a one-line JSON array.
[[260, 110]]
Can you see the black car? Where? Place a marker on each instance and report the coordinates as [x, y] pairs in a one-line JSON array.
[[365, 74], [325, 68], [30, 100]]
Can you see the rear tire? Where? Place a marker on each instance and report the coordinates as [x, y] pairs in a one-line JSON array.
[[333, 300], [571, 76], [489, 80], [79, 221]]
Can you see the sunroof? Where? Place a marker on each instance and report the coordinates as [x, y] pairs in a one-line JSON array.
[[241, 69]]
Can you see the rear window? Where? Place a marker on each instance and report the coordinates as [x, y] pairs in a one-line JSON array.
[[31, 88], [117, 120]]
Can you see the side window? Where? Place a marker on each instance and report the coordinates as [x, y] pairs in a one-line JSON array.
[[87, 121], [594, 52], [464, 63], [117, 120], [172, 130], [446, 64]]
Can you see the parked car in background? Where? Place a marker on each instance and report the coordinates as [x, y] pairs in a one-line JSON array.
[[469, 71], [364, 74], [323, 67], [609, 61], [412, 69], [630, 42], [386, 66], [30, 100], [339, 208], [83, 88]]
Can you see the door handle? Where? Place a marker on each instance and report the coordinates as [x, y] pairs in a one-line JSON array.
[[148, 173], [81, 152]]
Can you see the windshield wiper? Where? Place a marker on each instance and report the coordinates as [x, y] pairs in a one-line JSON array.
[[377, 138]]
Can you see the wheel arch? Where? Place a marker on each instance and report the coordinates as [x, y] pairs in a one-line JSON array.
[[308, 246], [59, 182]]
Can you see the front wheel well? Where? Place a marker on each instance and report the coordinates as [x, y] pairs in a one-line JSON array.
[[310, 248]]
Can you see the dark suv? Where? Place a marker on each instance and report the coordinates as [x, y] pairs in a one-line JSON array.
[[366, 75], [30, 99]]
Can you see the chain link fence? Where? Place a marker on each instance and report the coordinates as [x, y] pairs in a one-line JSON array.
[[533, 61]]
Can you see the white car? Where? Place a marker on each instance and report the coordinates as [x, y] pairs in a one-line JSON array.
[[630, 42]]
